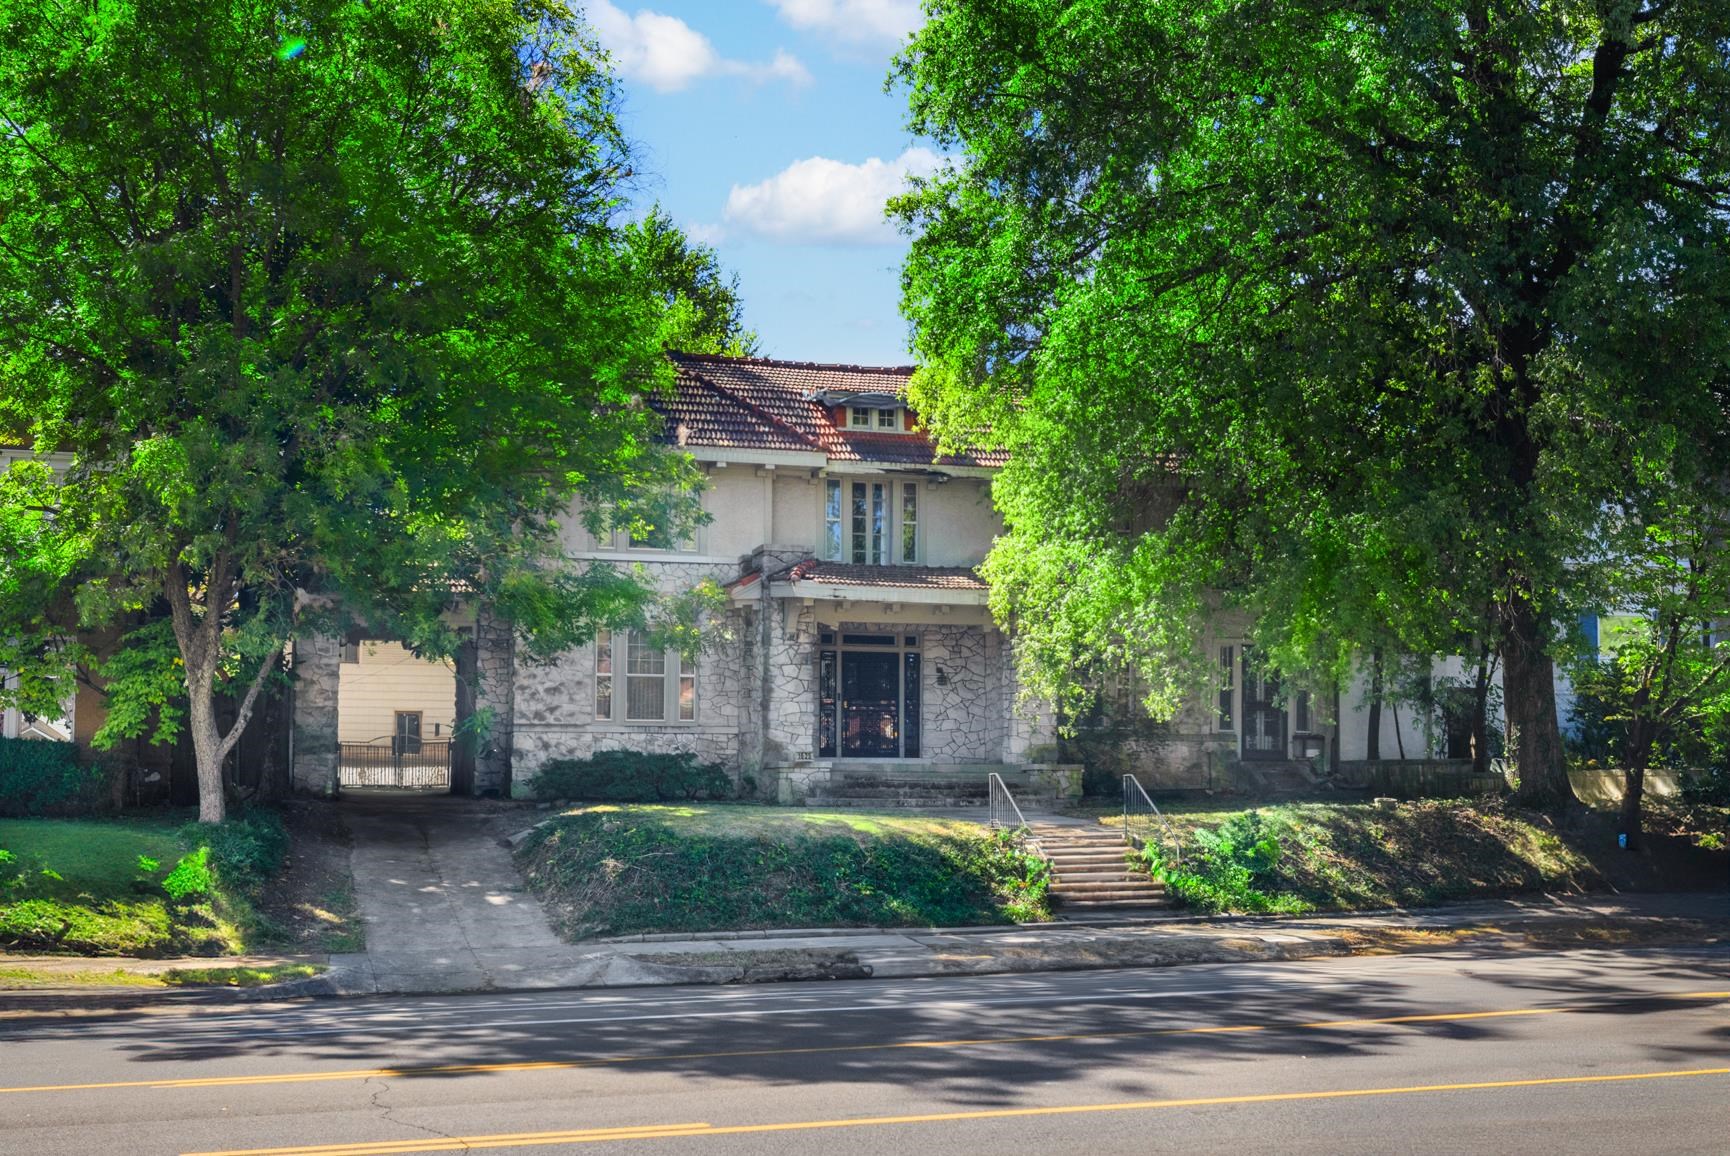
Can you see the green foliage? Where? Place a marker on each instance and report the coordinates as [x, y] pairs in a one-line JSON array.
[[245, 851], [356, 322], [1349, 321], [702, 309], [633, 777], [1228, 868], [617, 872], [47, 778], [191, 877]]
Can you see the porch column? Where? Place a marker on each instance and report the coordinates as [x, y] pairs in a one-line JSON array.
[[790, 715], [495, 695], [317, 677]]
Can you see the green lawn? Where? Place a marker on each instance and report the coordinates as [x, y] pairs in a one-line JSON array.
[[93, 907], [613, 869]]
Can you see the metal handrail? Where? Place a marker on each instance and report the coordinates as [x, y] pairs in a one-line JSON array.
[[1003, 805], [1137, 806]]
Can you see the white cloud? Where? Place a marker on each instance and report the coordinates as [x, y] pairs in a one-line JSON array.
[[859, 20], [822, 200], [667, 54], [705, 233]]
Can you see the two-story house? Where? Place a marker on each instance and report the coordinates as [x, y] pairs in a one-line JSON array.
[[856, 636]]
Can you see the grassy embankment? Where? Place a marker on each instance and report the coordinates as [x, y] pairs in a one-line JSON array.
[[1360, 856], [97, 887], [619, 869]]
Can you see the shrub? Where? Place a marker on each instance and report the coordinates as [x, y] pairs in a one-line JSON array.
[[245, 851], [632, 777], [47, 778], [1228, 868], [190, 877]]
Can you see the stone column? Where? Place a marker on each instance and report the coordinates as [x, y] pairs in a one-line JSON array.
[[495, 698], [317, 677], [790, 715]]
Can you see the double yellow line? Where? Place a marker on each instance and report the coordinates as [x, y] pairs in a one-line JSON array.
[[673, 1131], [669, 1057]]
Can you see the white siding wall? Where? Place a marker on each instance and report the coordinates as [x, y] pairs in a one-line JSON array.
[[388, 679]]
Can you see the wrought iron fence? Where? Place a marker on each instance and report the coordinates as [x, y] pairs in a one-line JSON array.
[[1142, 820], [395, 762]]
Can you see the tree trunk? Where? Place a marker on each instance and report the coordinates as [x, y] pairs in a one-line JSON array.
[[1635, 756], [206, 748], [1373, 740], [1334, 733], [1529, 683], [1481, 715]]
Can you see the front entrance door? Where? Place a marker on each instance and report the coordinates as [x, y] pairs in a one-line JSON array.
[[870, 705], [1263, 713]]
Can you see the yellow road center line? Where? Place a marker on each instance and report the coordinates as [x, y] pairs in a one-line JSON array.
[[594, 1135], [614, 1061]]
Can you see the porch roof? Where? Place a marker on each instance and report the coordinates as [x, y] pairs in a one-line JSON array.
[[814, 578]]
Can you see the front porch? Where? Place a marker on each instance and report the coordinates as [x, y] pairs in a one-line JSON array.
[[917, 783]]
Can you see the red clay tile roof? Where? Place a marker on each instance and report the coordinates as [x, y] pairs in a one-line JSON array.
[[898, 577], [757, 403]]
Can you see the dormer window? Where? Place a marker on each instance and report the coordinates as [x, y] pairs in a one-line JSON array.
[[880, 419]]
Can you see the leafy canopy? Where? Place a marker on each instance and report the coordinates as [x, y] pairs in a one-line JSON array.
[[326, 305], [1351, 316]]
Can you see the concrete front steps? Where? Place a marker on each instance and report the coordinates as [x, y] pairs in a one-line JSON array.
[[1090, 871], [890, 785]]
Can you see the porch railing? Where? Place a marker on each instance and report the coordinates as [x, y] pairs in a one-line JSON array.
[[1142, 820], [394, 761]]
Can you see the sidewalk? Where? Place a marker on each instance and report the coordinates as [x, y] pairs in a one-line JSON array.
[[1533, 923]]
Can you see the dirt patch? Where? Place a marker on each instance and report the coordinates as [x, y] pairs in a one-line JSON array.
[[310, 907]]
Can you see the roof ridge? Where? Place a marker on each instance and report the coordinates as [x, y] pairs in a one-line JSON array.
[[759, 412], [726, 359]]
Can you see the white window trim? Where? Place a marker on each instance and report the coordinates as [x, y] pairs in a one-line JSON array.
[[676, 668]]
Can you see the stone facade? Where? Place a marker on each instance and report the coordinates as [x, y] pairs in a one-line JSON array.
[[317, 682]]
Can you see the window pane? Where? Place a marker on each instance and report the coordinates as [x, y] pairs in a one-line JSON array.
[[832, 521], [860, 418], [859, 519], [879, 520], [645, 698], [909, 522], [886, 419], [687, 691], [604, 674], [910, 706], [643, 658], [1227, 665]]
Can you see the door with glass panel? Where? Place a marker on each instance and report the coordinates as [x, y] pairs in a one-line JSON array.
[[868, 697]]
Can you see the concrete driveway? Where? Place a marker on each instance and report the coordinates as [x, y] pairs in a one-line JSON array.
[[443, 906]]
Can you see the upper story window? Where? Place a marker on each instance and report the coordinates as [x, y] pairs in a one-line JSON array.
[[877, 419], [871, 523]]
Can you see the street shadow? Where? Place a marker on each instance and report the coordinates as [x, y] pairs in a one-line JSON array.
[[973, 1043]]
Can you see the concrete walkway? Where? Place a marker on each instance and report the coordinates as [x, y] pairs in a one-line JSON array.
[[443, 906]]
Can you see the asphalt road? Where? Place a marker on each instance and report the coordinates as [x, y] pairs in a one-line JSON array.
[[1593, 1051]]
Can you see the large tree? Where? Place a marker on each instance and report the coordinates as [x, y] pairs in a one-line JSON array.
[[1352, 314], [328, 305]]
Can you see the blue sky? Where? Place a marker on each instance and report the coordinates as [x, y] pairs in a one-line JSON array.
[[763, 127]]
